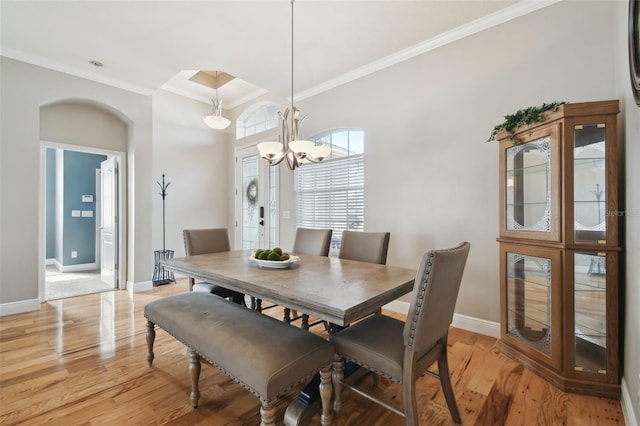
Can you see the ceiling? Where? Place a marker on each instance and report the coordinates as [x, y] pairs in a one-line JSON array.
[[148, 45]]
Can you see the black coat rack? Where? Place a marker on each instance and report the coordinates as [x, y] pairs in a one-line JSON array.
[[161, 275]]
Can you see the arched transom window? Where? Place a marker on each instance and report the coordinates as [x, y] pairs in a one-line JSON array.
[[257, 118]]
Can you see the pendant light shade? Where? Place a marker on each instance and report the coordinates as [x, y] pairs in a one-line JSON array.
[[216, 121]]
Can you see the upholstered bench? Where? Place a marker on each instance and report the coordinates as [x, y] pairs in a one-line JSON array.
[[266, 356]]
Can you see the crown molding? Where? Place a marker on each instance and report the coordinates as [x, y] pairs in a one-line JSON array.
[[75, 71], [519, 9]]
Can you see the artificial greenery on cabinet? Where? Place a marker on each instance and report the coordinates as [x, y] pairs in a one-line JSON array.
[[522, 117]]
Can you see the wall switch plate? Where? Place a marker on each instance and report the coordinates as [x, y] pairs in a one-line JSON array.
[[75, 213], [74, 254], [87, 213]]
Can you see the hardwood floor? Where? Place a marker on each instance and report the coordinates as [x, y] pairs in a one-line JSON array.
[[81, 361]]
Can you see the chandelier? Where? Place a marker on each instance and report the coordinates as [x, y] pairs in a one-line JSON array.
[[216, 121], [292, 150]]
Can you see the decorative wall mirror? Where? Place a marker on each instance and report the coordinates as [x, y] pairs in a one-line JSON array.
[[634, 47]]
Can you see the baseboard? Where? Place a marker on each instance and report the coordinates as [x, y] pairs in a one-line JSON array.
[[475, 325], [78, 268], [20, 307], [138, 287], [627, 405], [397, 306], [51, 261]]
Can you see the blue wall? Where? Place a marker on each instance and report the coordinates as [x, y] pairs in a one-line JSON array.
[[79, 232], [50, 201]]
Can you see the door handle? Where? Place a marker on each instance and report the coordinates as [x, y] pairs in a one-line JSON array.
[[261, 215]]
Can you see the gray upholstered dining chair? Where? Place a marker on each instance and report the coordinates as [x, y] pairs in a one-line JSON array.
[[210, 240], [403, 351], [369, 247], [312, 241], [316, 242]]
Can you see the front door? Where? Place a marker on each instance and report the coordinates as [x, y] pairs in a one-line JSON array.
[[109, 221], [256, 201]]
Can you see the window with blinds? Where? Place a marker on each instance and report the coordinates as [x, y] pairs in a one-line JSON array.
[[331, 194]]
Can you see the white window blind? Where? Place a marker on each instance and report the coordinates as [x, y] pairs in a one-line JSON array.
[[331, 195]]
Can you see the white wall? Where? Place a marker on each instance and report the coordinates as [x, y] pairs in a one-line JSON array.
[[194, 159], [629, 128], [26, 88]]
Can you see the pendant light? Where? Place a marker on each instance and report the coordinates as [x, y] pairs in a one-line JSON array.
[[216, 121]]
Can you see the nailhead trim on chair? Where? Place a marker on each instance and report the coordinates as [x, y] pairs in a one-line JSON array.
[[421, 296], [373, 369]]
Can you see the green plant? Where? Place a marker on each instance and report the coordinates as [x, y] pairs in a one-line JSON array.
[[522, 117]]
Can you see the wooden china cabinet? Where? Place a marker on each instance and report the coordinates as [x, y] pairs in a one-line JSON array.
[[559, 248]]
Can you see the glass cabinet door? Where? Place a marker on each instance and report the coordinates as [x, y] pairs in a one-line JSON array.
[[528, 186], [529, 301], [589, 184], [590, 312]]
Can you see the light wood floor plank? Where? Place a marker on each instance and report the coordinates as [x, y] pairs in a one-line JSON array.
[[81, 361]]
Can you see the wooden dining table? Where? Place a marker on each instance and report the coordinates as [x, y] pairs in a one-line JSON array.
[[338, 291]]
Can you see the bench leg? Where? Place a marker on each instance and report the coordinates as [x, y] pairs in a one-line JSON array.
[[194, 373], [268, 413], [325, 395], [151, 337]]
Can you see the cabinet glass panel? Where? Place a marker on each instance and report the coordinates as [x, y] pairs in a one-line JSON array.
[[590, 312], [589, 191], [529, 300], [528, 186]]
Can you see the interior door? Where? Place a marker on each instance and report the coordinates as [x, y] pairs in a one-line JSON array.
[[109, 221], [256, 201]]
